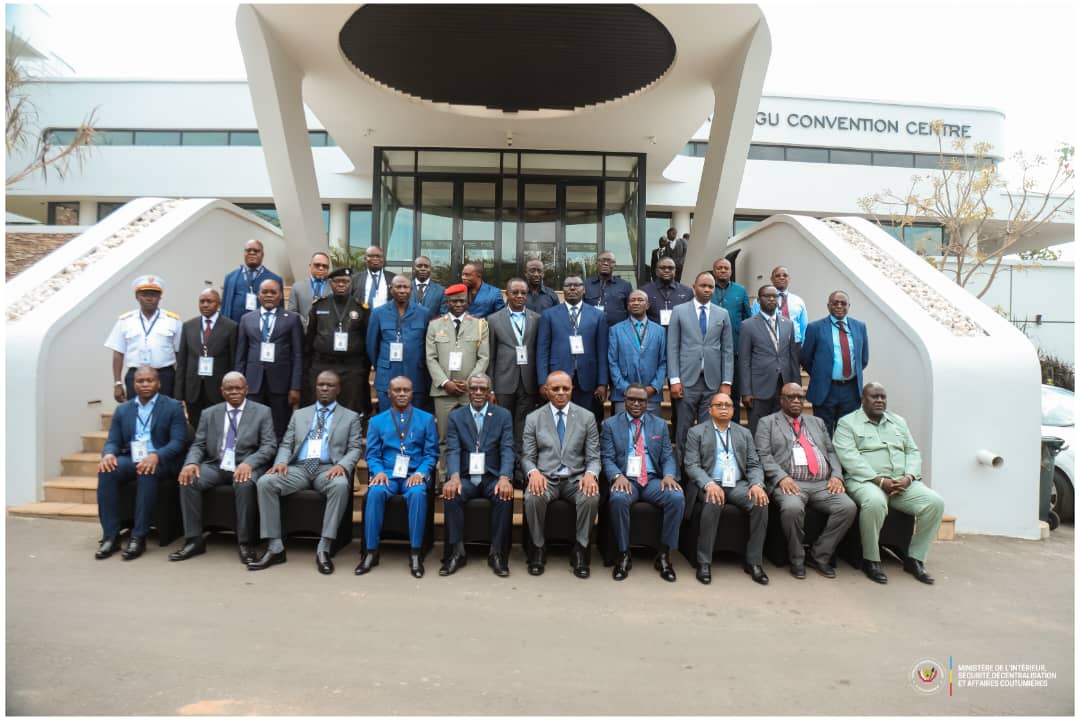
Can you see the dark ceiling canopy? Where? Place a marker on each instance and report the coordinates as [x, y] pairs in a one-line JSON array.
[[509, 57]]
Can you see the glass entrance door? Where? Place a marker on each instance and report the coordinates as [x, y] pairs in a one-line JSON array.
[[458, 225], [561, 225]]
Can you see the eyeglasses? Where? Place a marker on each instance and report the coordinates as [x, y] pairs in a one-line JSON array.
[[320, 266], [635, 400], [252, 251], [560, 388]]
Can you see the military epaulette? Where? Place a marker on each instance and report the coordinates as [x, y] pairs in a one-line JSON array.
[[125, 316], [170, 313]]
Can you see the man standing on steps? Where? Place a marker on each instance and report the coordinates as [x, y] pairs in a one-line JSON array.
[[424, 291], [395, 343], [234, 445], [835, 352], [540, 296], [241, 292], [637, 353], [790, 306], [665, 293], [319, 452], [606, 291], [310, 289], [731, 296], [768, 358], [146, 441], [371, 287], [483, 299], [207, 352], [336, 339], [148, 336]]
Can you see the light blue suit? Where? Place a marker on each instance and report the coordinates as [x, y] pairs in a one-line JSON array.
[[630, 363], [488, 299]]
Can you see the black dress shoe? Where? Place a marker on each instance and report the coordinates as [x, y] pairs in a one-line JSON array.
[[663, 566], [873, 571], [916, 568], [416, 565], [247, 553], [136, 547], [704, 573], [107, 547], [537, 558], [580, 561], [368, 560], [497, 563], [822, 568], [190, 549], [798, 570], [451, 564], [756, 573], [323, 562], [268, 559], [622, 567]]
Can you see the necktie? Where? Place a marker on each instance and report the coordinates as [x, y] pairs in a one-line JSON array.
[[774, 333], [845, 350], [703, 321], [421, 288], [266, 327], [478, 417], [574, 317], [639, 450], [639, 334], [811, 458], [561, 428], [312, 464], [230, 434], [317, 286], [783, 305], [518, 320], [373, 286], [457, 327], [206, 331]]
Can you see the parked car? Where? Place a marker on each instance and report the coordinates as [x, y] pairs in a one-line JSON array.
[[1058, 421]]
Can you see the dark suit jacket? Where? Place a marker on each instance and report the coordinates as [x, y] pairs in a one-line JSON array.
[[760, 363], [168, 431], [505, 373], [699, 456], [433, 298], [360, 288], [553, 346], [615, 445], [775, 438], [285, 372], [255, 439], [817, 355], [496, 442], [234, 294], [221, 346], [488, 299]]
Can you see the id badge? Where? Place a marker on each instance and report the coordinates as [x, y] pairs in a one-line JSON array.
[[251, 301], [206, 366], [729, 476], [228, 461], [798, 455], [314, 449], [665, 317], [266, 352], [401, 466], [522, 355], [397, 352], [144, 355], [138, 451], [341, 341], [455, 360], [476, 463], [633, 466], [577, 345]]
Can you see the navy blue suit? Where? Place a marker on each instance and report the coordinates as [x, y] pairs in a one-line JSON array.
[[488, 299], [434, 296], [614, 449], [382, 330], [587, 370], [270, 383], [383, 447], [168, 435], [496, 441], [832, 400], [234, 295]]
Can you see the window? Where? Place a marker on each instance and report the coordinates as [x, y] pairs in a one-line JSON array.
[[204, 137], [741, 224], [269, 213], [59, 138], [766, 152], [894, 159], [104, 209], [806, 154], [317, 138], [359, 226], [244, 137], [157, 137], [851, 157], [63, 213], [113, 137]]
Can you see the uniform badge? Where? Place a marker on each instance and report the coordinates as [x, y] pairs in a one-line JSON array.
[[353, 315], [365, 306]]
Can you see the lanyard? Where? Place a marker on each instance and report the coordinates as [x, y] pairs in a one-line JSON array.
[[148, 330], [723, 439], [397, 319], [232, 423], [141, 425], [404, 431], [268, 325], [338, 316], [640, 335], [479, 434], [251, 276], [637, 433], [575, 316], [376, 281], [666, 296], [774, 326], [519, 330], [316, 288]]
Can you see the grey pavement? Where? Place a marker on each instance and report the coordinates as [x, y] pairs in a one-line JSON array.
[[207, 637]]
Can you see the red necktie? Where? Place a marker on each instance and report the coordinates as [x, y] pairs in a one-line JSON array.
[[206, 332], [783, 305], [811, 458], [845, 350], [639, 450]]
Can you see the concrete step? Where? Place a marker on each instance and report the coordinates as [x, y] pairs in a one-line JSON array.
[[94, 441], [71, 489], [57, 510], [947, 529], [83, 464]]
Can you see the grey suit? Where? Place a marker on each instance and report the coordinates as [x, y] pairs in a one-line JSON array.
[[698, 461], [774, 441], [255, 446], [514, 385], [344, 450], [577, 454], [764, 366], [301, 297], [700, 364]]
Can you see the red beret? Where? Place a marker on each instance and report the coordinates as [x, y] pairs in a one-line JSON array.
[[457, 289]]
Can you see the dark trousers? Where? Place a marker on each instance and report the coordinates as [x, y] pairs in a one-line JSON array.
[[739, 496], [501, 513], [584, 398], [108, 497], [843, 398], [195, 407], [671, 502], [693, 408], [348, 369], [247, 503], [167, 376], [520, 403], [764, 406], [363, 387], [279, 408]]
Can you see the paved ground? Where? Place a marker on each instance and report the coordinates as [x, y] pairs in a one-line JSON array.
[[207, 637]]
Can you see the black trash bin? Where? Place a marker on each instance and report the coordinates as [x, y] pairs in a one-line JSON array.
[[1051, 446]]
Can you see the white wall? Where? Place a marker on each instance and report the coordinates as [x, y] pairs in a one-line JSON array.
[[59, 375]]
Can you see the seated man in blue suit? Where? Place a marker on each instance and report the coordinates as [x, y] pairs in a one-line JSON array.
[[573, 337], [480, 448], [146, 440], [484, 299], [637, 353], [402, 449], [635, 448], [835, 352]]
